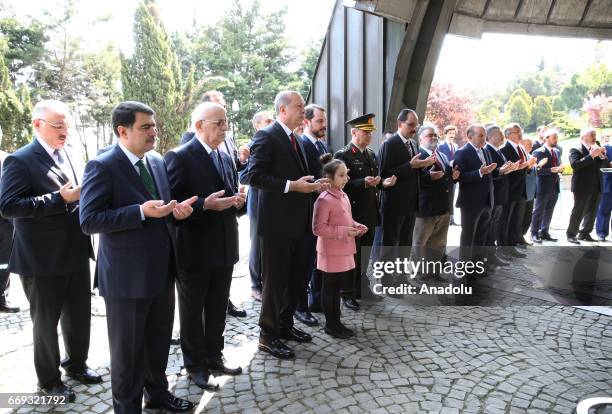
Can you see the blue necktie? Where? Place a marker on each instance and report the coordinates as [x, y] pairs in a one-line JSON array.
[[320, 147]]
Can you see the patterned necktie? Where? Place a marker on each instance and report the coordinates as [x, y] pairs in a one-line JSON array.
[[520, 152], [66, 167], [320, 147], [410, 149], [147, 179]]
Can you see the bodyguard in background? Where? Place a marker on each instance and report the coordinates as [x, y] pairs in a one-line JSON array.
[[6, 242], [40, 192], [602, 223], [448, 147]]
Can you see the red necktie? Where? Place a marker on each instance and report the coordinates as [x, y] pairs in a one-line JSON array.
[[520, 151], [438, 161], [554, 158], [293, 142], [452, 148]]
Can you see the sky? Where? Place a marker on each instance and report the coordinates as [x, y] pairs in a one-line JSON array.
[[493, 60]]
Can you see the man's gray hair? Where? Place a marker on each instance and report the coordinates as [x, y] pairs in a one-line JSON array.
[[492, 129], [198, 113], [508, 128], [425, 127], [283, 98], [49, 105], [260, 116]]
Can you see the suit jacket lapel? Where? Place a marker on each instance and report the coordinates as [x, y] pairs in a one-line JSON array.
[[286, 142], [207, 165], [157, 172], [130, 172], [48, 162]]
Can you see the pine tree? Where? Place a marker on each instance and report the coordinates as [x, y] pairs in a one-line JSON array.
[[152, 75]]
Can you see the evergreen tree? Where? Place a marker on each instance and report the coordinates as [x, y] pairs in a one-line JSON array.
[[518, 111], [152, 75], [541, 113]]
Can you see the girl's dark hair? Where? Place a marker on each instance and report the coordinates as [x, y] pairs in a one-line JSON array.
[[330, 164]]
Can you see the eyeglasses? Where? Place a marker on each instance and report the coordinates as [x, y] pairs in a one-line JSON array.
[[218, 122], [59, 127]]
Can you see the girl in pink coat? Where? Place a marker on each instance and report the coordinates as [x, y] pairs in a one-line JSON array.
[[336, 230]]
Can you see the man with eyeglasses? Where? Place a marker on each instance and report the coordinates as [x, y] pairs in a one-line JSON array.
[[239, 162], [40, 191], [207, 241], [399, 156], [433, 214]]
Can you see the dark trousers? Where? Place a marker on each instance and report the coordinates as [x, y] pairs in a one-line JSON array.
[[514, 212], [397, 229], [65, 299], [356, 279], [254, 256], [474, 230], [284, 265], [330, 296], [451, 196], [542, 212], [312, 294], [497, 230], [527, 216], [584, 210], [139, 332], [203, 298], [6, 242], [602, 223]]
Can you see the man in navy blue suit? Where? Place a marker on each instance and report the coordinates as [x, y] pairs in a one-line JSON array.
[[448, 147], [602, 222], [207, 241], [315, 128], [548, 186], [40, 192], [476, 192], [260, 120], [126, 199]]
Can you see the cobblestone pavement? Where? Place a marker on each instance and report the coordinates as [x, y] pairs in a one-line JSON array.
[[405, 359]]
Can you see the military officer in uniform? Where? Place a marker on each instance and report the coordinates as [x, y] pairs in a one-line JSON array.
[[363, 190]]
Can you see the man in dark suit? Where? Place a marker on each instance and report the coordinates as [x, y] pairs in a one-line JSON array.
[[399, 156], [433, 215], [126, 199], [363, 190], [541, 138], [260, 120], [239, 163], [548, 186], [6, 242], [602, 223], [40, 192], [207, 241], [277, 167], [586, 160], [476, 192], [448, 147], [514, 210], [496, 236], [315, 127]]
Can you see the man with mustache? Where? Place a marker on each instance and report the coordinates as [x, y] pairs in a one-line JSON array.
[[40, 192]]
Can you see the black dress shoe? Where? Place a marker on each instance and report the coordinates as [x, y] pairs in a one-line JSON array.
[[234, 311], [315, 307], [60, 389], [601, 239], [86, 376], [172, 403], [306, 318], [337, 332], [202, 380], [276, 348], [536, 239], [351, 303], [294, 334], [547, 237], [6, 307], [586, 237], [572, 240], [220, 365]]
